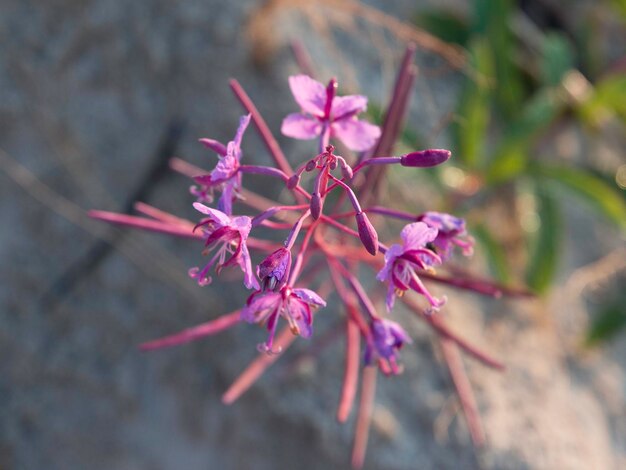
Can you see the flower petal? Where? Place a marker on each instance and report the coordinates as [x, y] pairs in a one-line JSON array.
[[245, 263], [345, 106], [214, 145], [225, 168], [417, 235], [356, 135], [299, 314], [214, 214], [309, 297], [260, 306], [393, 252], [299, 126], [243, 124], [308, 93]]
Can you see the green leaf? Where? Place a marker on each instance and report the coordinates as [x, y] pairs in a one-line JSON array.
[[608, 100], [494, 252], [470, 130], [510, 158], [601, 196], [445, 25], [557, 58], [491, 21], [545, 252], [607, 324]]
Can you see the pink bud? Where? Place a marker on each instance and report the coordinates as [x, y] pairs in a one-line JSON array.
[[367, 233], [310, 166], [293, 181], [274, 270], [316, 205], [425, 158], [346, 171]]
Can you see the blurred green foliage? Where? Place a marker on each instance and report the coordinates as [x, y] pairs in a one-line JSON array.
[[519, 88]]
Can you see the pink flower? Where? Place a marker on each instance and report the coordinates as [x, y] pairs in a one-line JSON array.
[[294, 305], [402, 260], [450, 232], [227, 236], [322, 111], [274, 270], [387, 338], [226, 174]]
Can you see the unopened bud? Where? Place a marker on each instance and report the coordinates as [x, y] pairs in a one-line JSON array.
[[316, 205], [293, 181], [425, 158], [367, 233], [274, 270], [346, 171], [310, 166]]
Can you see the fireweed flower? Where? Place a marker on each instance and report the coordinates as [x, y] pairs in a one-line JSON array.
[[387, 338], [227, 236], [402, 260], [294, 305], [274, 270], [323, 112], [225, 175], [450, 232], [327, 241]]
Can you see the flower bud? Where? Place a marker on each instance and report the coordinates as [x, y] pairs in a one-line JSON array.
[[274, 270], [425, 158], [293, 181], [310, 166], [346, 171], [367, 233], [316, 205]]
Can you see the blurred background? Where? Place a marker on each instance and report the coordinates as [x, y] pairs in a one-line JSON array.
[[96, 96]]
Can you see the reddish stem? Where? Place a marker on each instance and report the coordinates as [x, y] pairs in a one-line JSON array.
[[366, 406], [191, 334], [257, 367], [464, 390], [351, 373], [264, 131]]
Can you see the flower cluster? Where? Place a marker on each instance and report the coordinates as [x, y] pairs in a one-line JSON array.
[[338, 234]]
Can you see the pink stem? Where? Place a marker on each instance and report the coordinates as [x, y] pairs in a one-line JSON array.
[[464, 390], [257, 367], [261, 125], [295, 272], [302, 58], [163, 216], [351, 373], [145, 224], [264, 170], [185, 168], [440, 327], [191, 334], [366, 405]]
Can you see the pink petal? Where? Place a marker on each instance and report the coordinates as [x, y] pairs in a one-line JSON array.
[[215, 215], [245, 263], [308, 93], [299, 126], [357, 135], [214, 145], [300, 314], [243, 124], [390, 257], [225, 168], [309, 297], [348, 105], [260, 307], [416, 235]]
